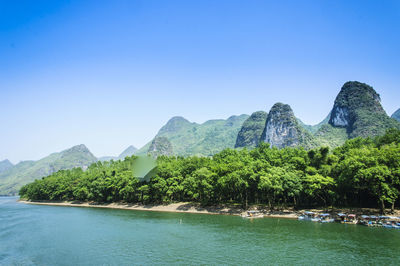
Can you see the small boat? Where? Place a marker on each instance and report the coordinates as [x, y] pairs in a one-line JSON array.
[[364, 220], [325, 218], [252, 214], [340, 217], [350, 219], [307, 216], [373, 221], [392, 222]]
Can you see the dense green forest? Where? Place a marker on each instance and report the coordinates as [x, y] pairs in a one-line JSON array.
[[364, 172]]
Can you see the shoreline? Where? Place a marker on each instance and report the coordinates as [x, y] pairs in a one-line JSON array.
[[189, 207], [182, 207]]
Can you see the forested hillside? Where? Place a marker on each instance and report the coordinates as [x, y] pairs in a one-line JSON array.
[[362, 172]]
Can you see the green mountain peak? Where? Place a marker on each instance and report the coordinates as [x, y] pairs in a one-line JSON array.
[[358, 109]]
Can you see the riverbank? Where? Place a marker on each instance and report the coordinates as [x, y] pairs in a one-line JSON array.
[[182, 207], [189, 207]]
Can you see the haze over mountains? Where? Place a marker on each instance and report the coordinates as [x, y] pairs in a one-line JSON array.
[[356, 112]]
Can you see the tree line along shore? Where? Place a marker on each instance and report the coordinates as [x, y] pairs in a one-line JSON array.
[[362, 173]]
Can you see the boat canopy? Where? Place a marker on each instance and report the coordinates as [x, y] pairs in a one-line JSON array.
[[308, 212], [384, 217], [373, 217], [324, 214], [351, 215], [364, 216], [341, 214]]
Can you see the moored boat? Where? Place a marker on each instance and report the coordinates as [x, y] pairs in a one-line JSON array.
[[307, 216], [350, 219], [325, 218]]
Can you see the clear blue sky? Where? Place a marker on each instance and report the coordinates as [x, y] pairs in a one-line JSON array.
[[110, 73]]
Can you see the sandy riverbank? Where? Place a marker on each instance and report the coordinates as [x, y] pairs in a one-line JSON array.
[[183, 207], [187, 207]]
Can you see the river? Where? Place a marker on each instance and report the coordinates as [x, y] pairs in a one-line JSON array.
[[51, 235]]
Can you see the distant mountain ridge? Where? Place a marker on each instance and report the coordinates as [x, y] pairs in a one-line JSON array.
[[189, 138], [24, 172], [5, 164], [357, 112], [131, 150]]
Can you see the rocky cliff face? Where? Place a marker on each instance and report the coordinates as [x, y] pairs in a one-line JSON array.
[[358, 109], [160, 146], [396, 115], [251, 130], [340, 116], [283, 130]]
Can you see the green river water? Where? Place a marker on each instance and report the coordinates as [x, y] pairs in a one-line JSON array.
[[50, 235]]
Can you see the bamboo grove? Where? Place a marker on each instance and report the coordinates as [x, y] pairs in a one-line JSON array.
[[360, 173]]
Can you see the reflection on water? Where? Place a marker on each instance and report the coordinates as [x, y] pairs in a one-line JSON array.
[[49, 235]]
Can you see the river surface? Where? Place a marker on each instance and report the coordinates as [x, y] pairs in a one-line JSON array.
[[53, 235]]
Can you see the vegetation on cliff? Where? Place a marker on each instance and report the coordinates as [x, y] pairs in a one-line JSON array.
[[160, 146], [251, 130], [358, 109], [362, 172]]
